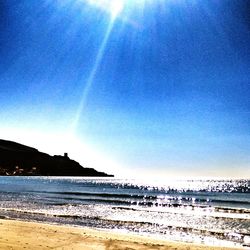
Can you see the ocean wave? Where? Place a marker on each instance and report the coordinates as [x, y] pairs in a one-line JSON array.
[[132, 226]]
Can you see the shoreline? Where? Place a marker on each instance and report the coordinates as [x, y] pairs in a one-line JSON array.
[[17, 234]]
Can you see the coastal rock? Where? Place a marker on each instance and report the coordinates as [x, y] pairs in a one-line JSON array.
[[21, 160]]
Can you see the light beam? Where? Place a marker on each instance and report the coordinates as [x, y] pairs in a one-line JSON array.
[[92, 75]]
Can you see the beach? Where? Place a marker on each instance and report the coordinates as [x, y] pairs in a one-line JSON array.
[[194, 212], [16, 235]]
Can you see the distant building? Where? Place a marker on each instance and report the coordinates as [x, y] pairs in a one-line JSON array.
[[66, 155]]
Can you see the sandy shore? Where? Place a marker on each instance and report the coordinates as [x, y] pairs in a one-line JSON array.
[[29, 235]]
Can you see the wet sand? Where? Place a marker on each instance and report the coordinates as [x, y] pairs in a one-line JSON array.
[[29, 235]]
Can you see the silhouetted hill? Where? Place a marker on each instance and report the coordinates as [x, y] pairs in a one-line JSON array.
[[18, 159]]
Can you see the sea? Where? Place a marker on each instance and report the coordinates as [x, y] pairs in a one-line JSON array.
[[210, 212]]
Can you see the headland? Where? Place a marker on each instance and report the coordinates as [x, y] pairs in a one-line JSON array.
[[20, 160]]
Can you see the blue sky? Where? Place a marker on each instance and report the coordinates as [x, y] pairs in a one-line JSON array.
[[157, 87]]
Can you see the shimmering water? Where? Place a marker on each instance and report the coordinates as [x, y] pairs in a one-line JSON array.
[[212, 212]]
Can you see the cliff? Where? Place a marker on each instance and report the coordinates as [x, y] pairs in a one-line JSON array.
[[20, 160]]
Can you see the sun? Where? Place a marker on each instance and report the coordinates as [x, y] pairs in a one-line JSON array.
[[113, 7], [116, 8]]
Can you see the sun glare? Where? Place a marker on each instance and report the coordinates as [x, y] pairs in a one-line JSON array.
[[116, 8], [113, 7]]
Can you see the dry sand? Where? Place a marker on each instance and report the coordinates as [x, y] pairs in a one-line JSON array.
[[29, 235]]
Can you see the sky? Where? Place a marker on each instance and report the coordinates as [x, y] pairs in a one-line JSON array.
[[136, 88]]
